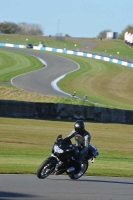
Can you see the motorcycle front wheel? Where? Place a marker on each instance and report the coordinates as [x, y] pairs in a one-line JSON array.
[[45, 169], [79, 171]]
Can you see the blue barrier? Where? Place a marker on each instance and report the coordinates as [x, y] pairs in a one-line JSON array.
[[2, 44], [89, 55]]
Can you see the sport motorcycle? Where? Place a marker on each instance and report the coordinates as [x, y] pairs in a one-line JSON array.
[[64, 159]]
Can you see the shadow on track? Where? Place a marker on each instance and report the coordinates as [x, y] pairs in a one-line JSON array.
[[15, 195], [106, 181], [95, 181]]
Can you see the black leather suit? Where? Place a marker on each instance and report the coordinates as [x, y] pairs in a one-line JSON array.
[[81, 141]]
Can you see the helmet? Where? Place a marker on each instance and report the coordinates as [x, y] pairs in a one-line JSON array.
[[79, 126]]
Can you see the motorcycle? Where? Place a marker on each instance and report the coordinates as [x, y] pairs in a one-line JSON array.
[[64, 159]]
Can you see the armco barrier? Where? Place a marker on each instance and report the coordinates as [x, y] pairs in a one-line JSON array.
[[64, 51], [33, 110]]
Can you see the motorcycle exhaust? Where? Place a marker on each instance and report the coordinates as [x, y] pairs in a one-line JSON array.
[[71, 169]]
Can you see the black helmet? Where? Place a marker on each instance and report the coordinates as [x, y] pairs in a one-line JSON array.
[[79, 126]]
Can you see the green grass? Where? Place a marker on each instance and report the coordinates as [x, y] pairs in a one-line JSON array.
[[14, 63], [110, 85], [105, 46], [25, 143], [35, 40], [112, 47]]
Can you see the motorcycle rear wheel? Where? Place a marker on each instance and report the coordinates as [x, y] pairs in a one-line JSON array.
[[79, 171], [45, 169]]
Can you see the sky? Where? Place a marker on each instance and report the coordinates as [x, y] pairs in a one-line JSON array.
[[77, 18]]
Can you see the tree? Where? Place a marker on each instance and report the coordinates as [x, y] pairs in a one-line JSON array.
[[9, 27], [30, 29], [103, 34], [21, 28], [67, 35], [128, 29]]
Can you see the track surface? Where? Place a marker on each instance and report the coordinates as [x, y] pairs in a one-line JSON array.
[[39, 81], [63, 188]]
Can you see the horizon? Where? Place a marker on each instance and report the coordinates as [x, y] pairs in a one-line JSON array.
[[76, 18]]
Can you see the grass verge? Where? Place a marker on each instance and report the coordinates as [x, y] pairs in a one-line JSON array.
[[25, 143], [15, 63], [115, 49], [109, 85]]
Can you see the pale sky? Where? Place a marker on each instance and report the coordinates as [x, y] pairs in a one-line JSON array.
[[78, 18]]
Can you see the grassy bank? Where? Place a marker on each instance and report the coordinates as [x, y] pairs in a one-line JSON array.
[[114, 48], [35, 40], [25, 143], [109, 85], [15, 63], [111, 48]]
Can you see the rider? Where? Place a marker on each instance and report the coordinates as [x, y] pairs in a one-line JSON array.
[[82, 138], [82, 141]]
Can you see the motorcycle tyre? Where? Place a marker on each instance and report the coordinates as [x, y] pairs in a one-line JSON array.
[[41, 167], [76, 176]]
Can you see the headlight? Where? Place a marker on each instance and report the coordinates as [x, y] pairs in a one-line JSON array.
[[57, 149]]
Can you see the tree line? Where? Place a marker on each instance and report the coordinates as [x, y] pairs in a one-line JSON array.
[[121, 35], [20, 28], [24, 28]]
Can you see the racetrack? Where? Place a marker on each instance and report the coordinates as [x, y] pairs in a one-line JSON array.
[[39, 81], [63, 188]]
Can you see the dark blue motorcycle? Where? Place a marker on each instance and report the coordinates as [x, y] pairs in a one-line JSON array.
[[64, 159]]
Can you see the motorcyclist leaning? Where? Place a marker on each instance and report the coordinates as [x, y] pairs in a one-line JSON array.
[[82, 139]]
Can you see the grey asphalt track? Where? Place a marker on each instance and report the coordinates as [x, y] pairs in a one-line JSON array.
[[39, 81], [63, 188]]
